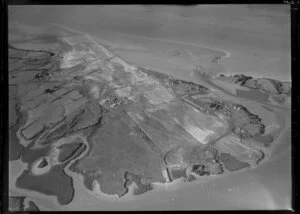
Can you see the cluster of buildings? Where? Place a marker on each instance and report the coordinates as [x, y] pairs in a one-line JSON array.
[[112, 102]]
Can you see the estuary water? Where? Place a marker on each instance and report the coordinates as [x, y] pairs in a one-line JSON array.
[[257, 37]]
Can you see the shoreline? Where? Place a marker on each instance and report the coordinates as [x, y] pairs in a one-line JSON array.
[[25, 167], [173, 185], [37, 197], [225, 54], [110, 200], [66, 168]]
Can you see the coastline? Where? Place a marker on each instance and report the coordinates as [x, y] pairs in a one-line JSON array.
[[225, 54], [25, 167], [66, 168]]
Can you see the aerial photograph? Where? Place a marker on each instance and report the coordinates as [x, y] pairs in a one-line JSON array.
[[149, 107]]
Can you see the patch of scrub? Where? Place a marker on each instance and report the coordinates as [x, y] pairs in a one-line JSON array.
[[231, 163], [141, 187], [266, 140], [113, 152], [178, 173], [253, 94], [230, 87], [281, 99], [66, 151], [15, 147], [32, 206], [16, 203]]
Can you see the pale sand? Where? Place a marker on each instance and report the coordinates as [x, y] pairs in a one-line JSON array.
[[39, 171]]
